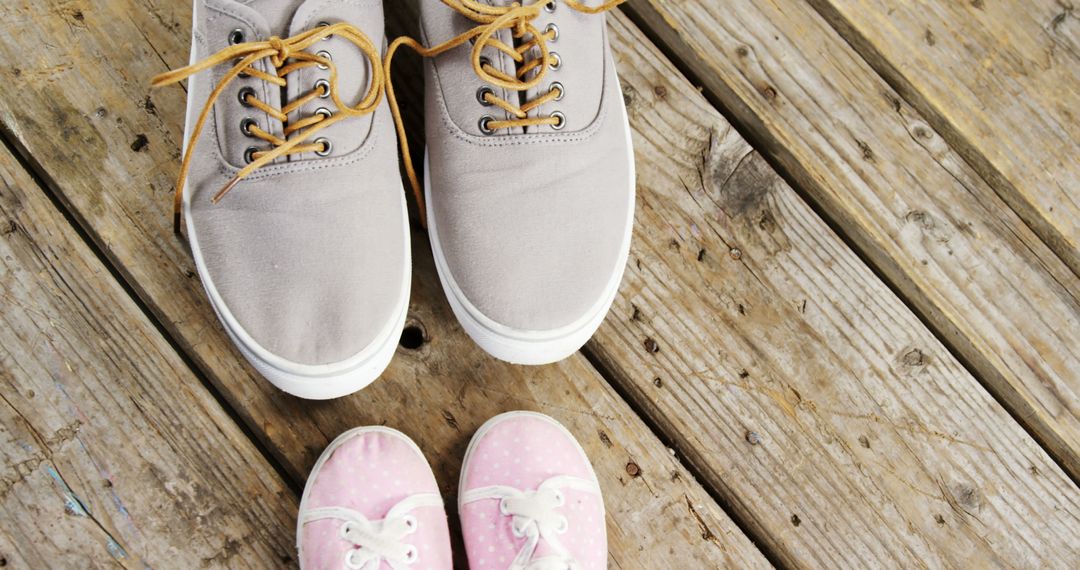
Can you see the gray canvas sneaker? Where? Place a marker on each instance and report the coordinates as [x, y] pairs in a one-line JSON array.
[[529, 170], [290, 193]]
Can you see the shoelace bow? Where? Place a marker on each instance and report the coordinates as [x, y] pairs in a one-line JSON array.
[[535, 518], [377, 541], [286, 56], [490, 19]]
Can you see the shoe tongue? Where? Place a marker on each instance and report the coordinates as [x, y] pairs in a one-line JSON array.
[[278, 14]]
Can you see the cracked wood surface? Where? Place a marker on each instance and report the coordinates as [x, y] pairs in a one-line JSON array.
[[110, 151], [836, 426], [806, 395], [910, 205], [1001, 81], [111, 451]]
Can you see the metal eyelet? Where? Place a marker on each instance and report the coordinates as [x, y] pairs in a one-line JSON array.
[[353, 559], [552, 28], [344, 529], [326, 25], [483, 92], [554, 60], [249, 154], [246, 126], [324, 113], [243, 74], [550, 7], [237, 36], [484, 61], [411, 523], [324, 86], [564, 525], [244, 94], [484, 121], [411, 554], [325, 55], [557, 87], [562, 120], [327, 147]]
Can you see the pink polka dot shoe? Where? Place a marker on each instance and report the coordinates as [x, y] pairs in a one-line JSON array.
[[372, 503], [529, 499]]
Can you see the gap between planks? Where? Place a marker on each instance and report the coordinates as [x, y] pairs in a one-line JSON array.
[[656, 509], [997, 81], [906, 413], [1006, 364], [761, 140], [47, 187], [40, 176], [76, 412]]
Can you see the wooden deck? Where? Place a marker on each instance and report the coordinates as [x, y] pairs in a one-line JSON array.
[[848, 336]]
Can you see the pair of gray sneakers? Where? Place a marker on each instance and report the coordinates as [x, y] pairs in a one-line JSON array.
[[293, 204]]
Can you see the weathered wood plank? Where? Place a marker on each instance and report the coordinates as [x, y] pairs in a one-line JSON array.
[[104, 54], [112, 452], [837, 427], [911, 206], [1000, 81]]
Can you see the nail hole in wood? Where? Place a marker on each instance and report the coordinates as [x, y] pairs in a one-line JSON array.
[[413, 336]]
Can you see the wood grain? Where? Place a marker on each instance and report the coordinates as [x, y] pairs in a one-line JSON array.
[[911, 206], [1001, 82], [841, 432], [113, 453], [87, 83]]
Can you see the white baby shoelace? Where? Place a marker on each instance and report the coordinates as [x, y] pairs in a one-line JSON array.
[[379, 540], [535, 518]]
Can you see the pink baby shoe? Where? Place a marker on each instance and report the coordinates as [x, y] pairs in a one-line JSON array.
[[529, 499], [372, 503]]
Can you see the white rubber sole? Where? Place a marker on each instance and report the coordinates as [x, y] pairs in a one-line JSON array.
[[326, 454], [509, 416], [309, 381], [524, 346]]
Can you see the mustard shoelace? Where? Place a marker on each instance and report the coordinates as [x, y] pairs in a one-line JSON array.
[[518, 19], [287, 56]]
